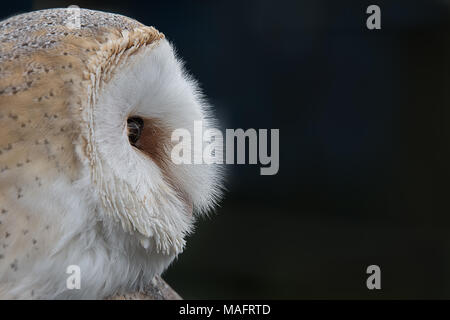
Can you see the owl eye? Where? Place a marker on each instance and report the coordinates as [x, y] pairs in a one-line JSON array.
[[135, 127]]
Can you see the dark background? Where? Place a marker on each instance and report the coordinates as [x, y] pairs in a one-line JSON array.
[[364, 144]]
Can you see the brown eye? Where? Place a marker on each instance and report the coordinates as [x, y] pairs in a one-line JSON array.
[[135, 127]]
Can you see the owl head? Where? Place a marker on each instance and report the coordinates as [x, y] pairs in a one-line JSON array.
[[87, 113], [138, 95]]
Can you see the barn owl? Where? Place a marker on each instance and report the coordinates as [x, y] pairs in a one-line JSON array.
[[86, 179]]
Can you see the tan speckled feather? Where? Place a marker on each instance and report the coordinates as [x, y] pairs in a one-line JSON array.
[[43, 62]]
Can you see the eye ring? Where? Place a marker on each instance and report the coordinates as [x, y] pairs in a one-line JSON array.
[[135, 126]]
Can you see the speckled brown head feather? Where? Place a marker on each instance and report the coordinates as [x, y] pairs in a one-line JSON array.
[[43, 61]]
